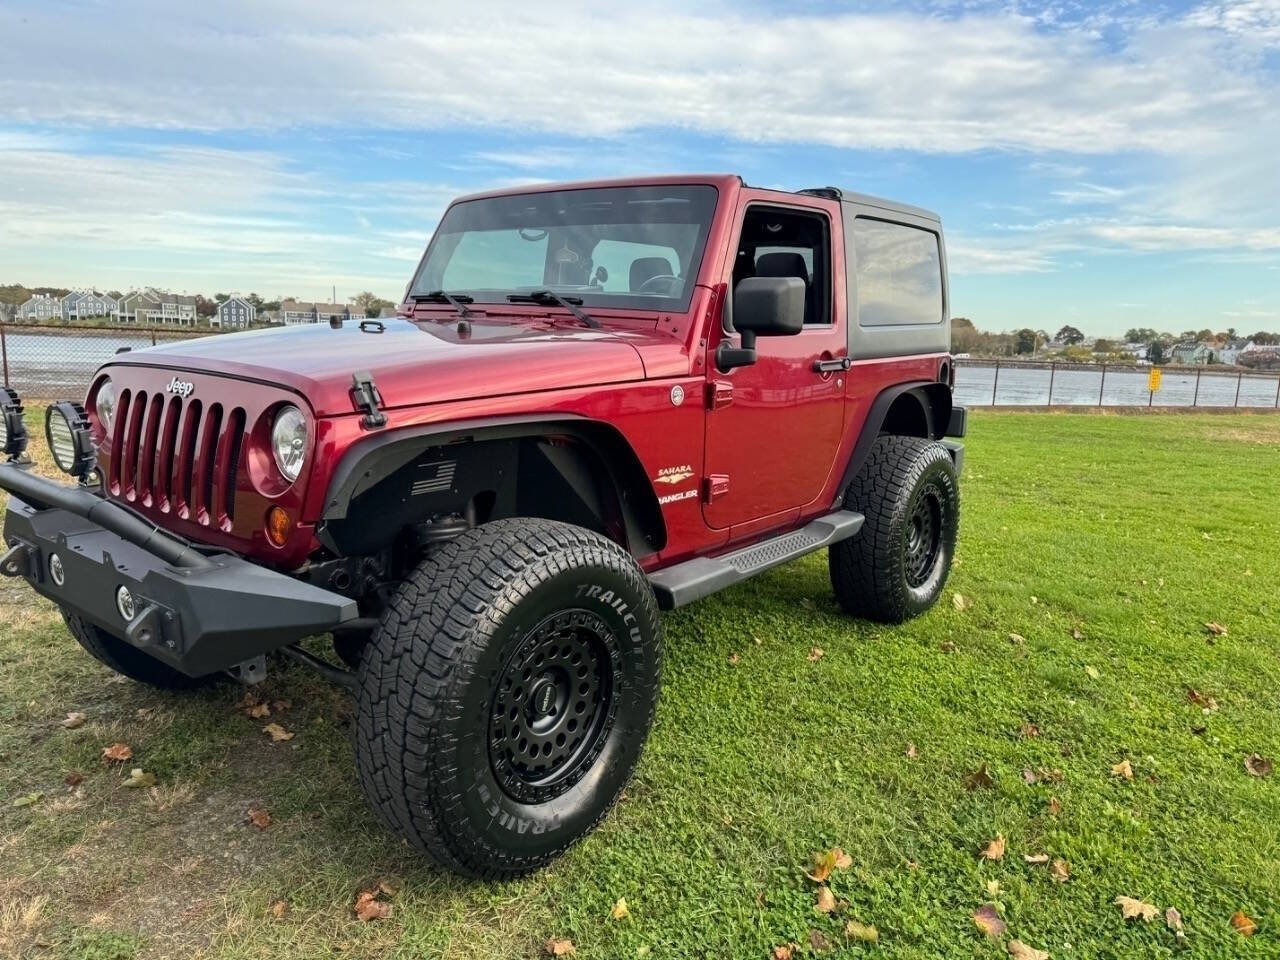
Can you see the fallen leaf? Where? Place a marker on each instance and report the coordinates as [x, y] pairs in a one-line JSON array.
[[994, 850], [1017, 639], [279, 909], [1029, 731], [73, 720], [1035, 599], [1076, 634], [1054, 806], [1020, 951], [73, 779], [1173, 920], [861, 932], [620, 911], [277, 732], [139, 778], [1060, 870], [1122, 769], [369, 907], [818, 942], [826, 902], [1217, 629], [816, 654], [1030, 778], [27, 799], [960, 601], [1243, 924], [734, 659], [1092, 673], [947, 646], [988, 921], [560, 947], [783, 952], [980, 778], [993, 888], [388, 889], [1257, 765], [258, 817], [260, 711], [1036, 859], [808, 604], [117, 753], [911, 751], [1134, 909], [825, 861], [1202, 700], [281, 705], [145, 713]]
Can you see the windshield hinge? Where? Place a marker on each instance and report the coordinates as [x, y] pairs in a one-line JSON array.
[[365, 395]]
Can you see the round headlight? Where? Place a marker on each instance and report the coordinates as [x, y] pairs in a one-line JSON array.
[[105, 405], [289, 441]]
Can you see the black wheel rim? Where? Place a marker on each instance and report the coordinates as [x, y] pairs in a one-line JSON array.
[[553, 706], [924, 536]]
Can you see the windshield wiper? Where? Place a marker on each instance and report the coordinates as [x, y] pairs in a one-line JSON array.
[[550, 296], [456, 300]]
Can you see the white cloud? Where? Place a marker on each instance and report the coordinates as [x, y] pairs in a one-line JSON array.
[[892, 80]]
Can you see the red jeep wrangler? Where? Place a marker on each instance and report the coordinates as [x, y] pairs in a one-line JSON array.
[[597, 401]]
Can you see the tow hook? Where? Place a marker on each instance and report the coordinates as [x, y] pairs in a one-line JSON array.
[[19, 560]]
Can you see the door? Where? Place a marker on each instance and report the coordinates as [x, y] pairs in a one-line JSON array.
[[773, 427]]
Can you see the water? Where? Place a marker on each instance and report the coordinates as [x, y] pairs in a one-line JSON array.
[[1029, 386], [49, 365]]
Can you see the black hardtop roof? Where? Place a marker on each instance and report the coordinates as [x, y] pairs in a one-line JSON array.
[[867, 200]]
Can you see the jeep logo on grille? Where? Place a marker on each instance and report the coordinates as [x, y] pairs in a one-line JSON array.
[[182, 388]]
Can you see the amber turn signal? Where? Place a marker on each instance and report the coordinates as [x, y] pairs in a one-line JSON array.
[[278, 526]]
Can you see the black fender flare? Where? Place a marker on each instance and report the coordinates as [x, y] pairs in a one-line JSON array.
[[934, 398], [377, 456]]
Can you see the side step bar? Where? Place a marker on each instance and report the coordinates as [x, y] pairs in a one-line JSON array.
[[694, 579]]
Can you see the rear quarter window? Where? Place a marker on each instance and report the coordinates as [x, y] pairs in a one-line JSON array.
[[899, 274]]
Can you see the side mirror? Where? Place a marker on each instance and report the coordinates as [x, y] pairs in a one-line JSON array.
[[762, 307]]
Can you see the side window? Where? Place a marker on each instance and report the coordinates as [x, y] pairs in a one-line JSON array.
[[899, 274], [788, 243]]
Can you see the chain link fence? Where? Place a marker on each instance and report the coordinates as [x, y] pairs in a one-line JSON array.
[[56, 362]]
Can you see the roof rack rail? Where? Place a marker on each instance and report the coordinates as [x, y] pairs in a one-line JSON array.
[[831, 193]]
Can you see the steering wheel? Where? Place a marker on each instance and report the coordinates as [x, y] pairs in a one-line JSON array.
[[673, 285]]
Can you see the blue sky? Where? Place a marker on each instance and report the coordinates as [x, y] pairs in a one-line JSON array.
[[1106, 165]]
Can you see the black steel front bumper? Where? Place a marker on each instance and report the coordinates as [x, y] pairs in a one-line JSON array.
[[199, 613]]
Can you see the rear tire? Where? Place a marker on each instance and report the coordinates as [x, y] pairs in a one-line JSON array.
[[126, 659], [506, 695], [895, 568]]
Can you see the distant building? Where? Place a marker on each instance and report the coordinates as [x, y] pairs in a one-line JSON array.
[[1139, 351], [134, 305], [386, 313], [1230, 351], [42, 306], [1191, 353], [84, 304], [294, 312], [157, 308], [234, 313]]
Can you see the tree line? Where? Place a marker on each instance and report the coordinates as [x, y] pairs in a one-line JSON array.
[[16, 294], [967, 338]]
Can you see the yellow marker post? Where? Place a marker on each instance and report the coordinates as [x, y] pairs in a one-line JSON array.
[[1153, 384]]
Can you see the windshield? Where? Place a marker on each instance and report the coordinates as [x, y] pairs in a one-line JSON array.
[[637, 247]]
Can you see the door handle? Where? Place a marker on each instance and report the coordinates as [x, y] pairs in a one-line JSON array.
[[833, 365]]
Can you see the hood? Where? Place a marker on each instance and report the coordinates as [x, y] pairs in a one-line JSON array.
[[412, 362]]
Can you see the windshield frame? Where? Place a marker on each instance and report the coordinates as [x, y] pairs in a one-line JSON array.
[[602, 301]]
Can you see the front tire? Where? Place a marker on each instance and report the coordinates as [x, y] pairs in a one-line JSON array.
[[126, 659], [895, 568], [506, 695]]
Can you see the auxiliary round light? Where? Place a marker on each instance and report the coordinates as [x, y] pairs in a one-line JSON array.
[[57, 573], [13, 429], [289, 441], [125, 605], [67, 429]]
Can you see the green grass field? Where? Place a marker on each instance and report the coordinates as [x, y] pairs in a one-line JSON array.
[[1094, 551]]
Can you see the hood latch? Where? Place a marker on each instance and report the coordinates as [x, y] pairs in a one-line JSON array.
[[365, 395]]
